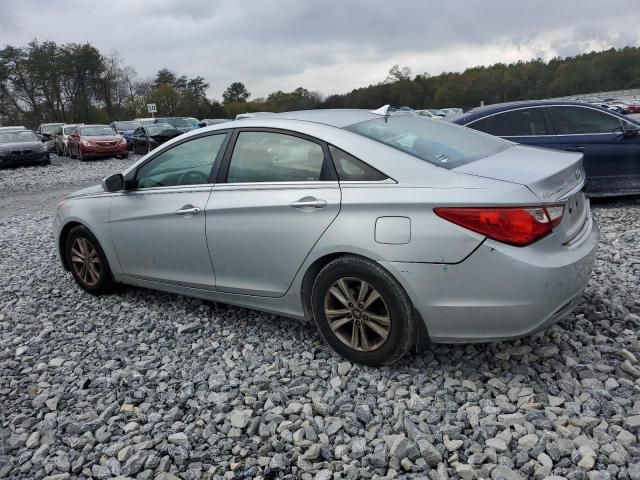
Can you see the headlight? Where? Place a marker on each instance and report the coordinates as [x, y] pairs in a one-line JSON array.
[[85, 142]]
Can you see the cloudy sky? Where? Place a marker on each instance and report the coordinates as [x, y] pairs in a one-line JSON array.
[[331, 46]]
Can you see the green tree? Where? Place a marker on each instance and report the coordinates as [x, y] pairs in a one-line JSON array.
[[236, 93]]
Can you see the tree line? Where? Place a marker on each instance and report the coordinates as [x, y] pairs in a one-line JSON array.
[[74, 82]]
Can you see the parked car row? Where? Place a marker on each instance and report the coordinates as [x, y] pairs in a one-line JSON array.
[[621, 106], [93, 141]]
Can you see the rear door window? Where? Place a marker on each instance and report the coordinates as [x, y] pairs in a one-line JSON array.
[[515, 123], [275, 157], [569, 120]]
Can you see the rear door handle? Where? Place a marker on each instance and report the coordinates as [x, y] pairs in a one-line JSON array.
[[309, 202], [188, 210], [575, 148]]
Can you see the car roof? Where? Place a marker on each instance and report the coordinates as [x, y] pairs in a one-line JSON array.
[[334, 117], [481, 112]]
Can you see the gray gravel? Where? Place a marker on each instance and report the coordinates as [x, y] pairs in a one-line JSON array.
[[146, 385], [62, 172]]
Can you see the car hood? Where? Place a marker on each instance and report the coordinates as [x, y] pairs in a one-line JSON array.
[[87, 191], [102, 138], [166, 134], [19, 146]]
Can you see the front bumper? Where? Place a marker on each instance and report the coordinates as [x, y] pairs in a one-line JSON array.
[[500, 292], [103, 152], [36, 158]]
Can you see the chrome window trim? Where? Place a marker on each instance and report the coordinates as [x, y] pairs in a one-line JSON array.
[[589, 107], [276, 185]]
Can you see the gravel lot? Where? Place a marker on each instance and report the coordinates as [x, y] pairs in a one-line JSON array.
[[148, 385]]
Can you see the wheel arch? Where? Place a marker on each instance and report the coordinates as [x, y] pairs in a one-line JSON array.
[[319, 263], [62, 240]]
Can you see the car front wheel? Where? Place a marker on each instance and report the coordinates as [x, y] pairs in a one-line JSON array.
[[362, 312], [88, 262]]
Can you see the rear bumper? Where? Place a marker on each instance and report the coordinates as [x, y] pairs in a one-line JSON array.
[[500, 292]]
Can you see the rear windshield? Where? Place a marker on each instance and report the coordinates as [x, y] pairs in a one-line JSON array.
[[179, 122], [433, 141], [50, 128], [127, 125], [159, 128], [18, 137], [97, 131]]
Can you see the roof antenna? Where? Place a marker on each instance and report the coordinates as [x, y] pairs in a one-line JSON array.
[[382, 110]]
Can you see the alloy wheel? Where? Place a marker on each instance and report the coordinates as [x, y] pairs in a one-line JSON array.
[[357, 314], [85, 261]]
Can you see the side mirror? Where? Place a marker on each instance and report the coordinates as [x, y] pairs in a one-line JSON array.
[[202, 124], [113, 183], [44, 137], [631, 130]]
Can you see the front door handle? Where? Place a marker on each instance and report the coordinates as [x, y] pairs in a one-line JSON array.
[[188, 210], [309, 202], [575, 148]]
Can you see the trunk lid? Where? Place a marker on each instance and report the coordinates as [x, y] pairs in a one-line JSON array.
[[554, 177]]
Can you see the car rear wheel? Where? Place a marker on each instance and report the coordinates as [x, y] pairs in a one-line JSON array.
[[70, 152], [362, 312], [88, 262]]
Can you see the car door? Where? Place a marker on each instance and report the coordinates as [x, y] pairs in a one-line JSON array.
[[158, 225], [527, 126], [611, 157], [277, 195]]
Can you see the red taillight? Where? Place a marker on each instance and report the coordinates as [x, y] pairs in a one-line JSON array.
[[517, 226]]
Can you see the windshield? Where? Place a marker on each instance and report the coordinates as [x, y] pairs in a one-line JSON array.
[[159, 128], [68, 130], [18, 137], [127, 125], [97, 131], [50, 128], [433, 141], [179, 122]]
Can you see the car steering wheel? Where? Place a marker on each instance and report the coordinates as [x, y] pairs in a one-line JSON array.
[[193, 177]]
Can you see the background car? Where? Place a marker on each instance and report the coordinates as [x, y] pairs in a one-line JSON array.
[[205, 122], [96, 141], [609, 141], [125, 128], [183, 124], [12, 127], [46, 132], [22, 147], [632, 105], [145, 121], [429, 113], [61, 137], [381, 227], [148, 137]]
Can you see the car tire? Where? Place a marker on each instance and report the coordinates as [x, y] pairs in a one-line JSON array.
[[385, 320], [87, 262], [70, 152], [124, 156], [46, 162], [81, 156]]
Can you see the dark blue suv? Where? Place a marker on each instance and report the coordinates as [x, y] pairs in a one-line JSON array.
[[609, 141]]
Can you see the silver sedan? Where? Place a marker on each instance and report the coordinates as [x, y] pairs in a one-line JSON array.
[[386, 229]]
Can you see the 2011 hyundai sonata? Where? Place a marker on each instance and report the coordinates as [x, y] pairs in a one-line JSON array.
[[384, 228]]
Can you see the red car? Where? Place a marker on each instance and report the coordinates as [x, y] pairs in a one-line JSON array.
[[633, 105], [95, 141]]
